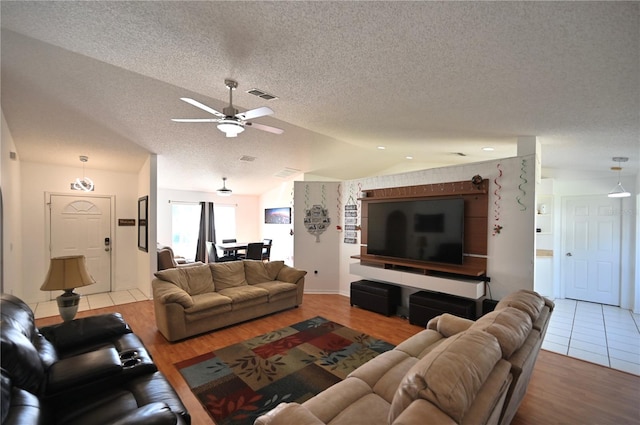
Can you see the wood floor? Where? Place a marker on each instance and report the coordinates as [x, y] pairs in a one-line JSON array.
[[563, 390]]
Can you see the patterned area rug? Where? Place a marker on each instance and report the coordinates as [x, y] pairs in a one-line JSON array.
[[236, 384]]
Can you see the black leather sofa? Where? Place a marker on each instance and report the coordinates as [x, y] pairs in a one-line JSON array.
[[92, 370]]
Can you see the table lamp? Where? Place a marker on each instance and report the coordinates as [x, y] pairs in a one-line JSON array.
[[65, 274]]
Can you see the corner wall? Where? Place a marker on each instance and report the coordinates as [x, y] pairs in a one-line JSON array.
[[511, 252]]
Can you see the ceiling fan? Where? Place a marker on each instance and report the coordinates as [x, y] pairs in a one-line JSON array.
[[230, 121]]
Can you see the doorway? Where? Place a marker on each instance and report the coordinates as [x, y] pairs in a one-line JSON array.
[[592, 249], [81, 225]]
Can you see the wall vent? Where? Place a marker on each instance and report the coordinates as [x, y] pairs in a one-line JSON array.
[[261, 94], [287, 172]]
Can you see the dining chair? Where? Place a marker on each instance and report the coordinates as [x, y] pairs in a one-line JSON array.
[[254, 251], [212, 251], [229, 241], [266, 250]]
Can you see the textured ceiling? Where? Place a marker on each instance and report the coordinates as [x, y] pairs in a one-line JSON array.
[[425, 79]]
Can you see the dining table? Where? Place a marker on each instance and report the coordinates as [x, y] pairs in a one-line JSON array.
[[232, 248]]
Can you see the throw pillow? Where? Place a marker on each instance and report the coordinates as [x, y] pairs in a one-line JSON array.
[[450, 376]]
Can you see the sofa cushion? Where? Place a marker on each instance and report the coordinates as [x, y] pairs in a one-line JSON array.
[[528, 301], [288, 414], [278, 290], [449, 324], [21, 360], [273, 268], [245, 296], [510, 326], [255, 271], [450, 375], [290, 274], [194, 280], [229, 274]]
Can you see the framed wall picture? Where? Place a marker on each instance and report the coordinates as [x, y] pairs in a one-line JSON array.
[[143, 230], [277, 215]]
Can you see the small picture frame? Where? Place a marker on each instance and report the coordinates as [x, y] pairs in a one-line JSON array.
[[143, 231]]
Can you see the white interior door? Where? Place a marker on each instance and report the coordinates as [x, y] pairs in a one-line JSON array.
[[591, 257], [82, 226]]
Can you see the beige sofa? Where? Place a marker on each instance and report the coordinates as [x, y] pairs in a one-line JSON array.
[[456, 371], [193, 300]]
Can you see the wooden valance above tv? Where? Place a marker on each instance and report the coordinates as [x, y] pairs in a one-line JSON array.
[[476, 225]]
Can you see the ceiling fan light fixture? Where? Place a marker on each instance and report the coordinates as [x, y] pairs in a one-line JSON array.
[[618, 191], [230, 127], [223, 191]]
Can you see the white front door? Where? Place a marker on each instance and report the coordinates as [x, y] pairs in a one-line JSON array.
[[82, 226], [591, 257]]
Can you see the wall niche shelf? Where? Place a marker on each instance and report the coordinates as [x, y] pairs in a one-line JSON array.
[[476, 209]]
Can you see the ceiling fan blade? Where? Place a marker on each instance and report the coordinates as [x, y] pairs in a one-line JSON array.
[[202, 106], [267, 128], [254, 113], [195, 119]]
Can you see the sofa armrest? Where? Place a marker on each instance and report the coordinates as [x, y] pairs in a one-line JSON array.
[[82, 369], [290, 274], [167, 292], [448, 324], [150, 414], [85, 331], [288, 414]]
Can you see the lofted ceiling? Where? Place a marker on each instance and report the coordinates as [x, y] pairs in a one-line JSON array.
[[437, 81]]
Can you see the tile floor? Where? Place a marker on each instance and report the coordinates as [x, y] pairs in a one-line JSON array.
[[597, 333], [89, 302]]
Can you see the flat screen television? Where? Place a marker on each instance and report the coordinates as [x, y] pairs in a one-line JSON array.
[[277, 215], [430, 230]]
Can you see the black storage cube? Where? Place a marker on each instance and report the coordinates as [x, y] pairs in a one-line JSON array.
[[424, 305], [375, 296], [488, 306]]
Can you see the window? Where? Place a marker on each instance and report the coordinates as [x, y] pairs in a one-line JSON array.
[[185, 226], [185, 223], [225, 221]]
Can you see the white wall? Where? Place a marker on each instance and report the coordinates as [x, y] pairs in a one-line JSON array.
[[36, 180], [280, 234], [146, 262], [11, 215], [319, 257]]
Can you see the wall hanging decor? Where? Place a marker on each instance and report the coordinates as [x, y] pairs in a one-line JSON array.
[[316, 218], [143, 230], [523, 181], [497, 201]]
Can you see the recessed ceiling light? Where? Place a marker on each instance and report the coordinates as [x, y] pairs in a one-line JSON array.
[[381, 148], [488, 149], [409, 157]]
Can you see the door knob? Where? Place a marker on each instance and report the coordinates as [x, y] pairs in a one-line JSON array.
[[569, 254]]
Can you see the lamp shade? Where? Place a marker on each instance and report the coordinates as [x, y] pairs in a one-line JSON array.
[[67, 273]]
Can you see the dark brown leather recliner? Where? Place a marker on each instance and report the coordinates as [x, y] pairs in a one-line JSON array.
[[89, 370]]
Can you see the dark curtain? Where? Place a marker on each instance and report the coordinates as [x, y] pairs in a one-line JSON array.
[[201, 247], [207, 231]]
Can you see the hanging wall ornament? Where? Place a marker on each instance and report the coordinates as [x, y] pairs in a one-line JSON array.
[[339, 206], [523, 181], [316, 218], [351, 219], [497, 201]]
